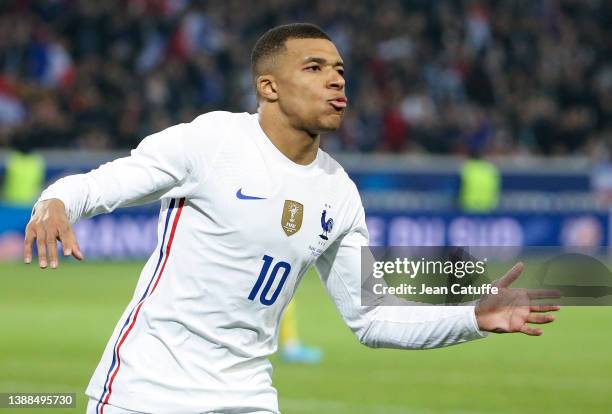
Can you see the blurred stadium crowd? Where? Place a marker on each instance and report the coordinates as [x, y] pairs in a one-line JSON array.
[[450, 77]]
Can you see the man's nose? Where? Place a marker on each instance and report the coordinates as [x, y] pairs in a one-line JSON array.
[[336, 81]]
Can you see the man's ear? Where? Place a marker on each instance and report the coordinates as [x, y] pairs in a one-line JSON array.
[[266, 88]]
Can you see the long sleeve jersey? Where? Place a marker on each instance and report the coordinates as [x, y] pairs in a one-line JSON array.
[[239, 226]]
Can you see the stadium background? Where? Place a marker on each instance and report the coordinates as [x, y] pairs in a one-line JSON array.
[[526, 85]]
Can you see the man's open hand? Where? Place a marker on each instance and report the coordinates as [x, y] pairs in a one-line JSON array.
[[510, 310], [48, 225]]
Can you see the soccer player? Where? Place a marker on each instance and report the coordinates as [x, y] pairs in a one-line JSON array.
[[248, 203]]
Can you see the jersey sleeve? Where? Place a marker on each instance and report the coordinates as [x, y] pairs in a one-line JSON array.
[[403, 326], [164, 165]]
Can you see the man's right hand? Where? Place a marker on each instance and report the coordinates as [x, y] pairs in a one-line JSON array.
[[48, 225]]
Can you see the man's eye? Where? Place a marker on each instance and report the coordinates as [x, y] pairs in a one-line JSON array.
[[341, 72], [313, 68]]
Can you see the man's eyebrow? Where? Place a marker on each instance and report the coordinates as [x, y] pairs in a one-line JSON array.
[[322, 61]]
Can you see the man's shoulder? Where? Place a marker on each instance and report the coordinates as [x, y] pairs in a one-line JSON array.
[[225, 119], [335, 169], [212, 129]]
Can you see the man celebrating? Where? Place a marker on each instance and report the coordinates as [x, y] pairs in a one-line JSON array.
[[240, 223]]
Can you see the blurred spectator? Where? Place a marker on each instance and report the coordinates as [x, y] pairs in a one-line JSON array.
[[480, 185], [25, 175], [437, 76]]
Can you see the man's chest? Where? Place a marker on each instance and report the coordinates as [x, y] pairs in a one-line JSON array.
[[250, 202], [293, 218]]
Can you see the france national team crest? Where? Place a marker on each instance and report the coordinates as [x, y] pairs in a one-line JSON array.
[[293, 212], [326, 223]]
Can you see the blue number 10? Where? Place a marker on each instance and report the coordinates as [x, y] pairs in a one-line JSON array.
[[262, 275]]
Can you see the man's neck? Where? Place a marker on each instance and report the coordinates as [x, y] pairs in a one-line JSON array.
[[297, 145]]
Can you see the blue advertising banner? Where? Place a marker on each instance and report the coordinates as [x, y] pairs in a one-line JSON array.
[[124, 234], [509, 229], [12, 224], [132, 233]]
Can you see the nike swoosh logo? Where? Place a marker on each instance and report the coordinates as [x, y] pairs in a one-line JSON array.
[[247, 197]]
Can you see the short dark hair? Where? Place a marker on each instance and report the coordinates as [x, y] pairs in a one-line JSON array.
[[273, 41]]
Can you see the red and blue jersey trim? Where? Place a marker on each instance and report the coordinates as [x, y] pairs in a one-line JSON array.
[[164, 253]]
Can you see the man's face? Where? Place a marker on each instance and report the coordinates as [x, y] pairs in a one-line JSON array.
[[310, 84]]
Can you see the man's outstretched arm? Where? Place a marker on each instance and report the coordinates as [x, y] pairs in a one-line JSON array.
[[420, 327], [160, 167], [377, 324]]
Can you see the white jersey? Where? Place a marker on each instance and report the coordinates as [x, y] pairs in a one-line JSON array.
[[239, 226]]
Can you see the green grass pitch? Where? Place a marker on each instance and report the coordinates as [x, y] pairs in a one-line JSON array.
[[55, 325]]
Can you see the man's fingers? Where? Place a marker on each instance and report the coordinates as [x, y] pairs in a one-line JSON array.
[[73, 250], [70, 245], [27, 246], [76, 252], [46, 227], [52, 250], [544, 308], [42, 250], [507, 279], [543, 294], [540, 318], [528, 330]]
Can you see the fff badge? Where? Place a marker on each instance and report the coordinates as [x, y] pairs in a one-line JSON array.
[[292, 217]]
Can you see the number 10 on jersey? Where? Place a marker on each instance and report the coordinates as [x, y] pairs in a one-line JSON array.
[[263, 274]]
